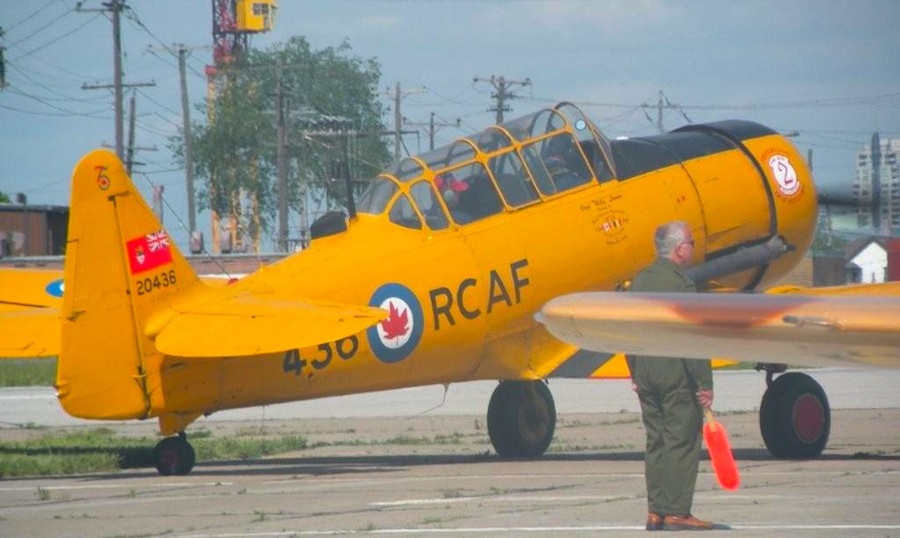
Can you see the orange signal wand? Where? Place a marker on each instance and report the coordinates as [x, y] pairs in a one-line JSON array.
[[720, 453]]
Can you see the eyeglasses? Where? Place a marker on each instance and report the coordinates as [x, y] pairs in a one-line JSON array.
[[691, 242]]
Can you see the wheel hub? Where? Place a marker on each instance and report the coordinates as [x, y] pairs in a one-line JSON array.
[[809, 418]]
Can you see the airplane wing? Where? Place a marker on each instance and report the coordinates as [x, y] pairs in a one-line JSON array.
[[29, 333], [250, 325], [29, 312], [842, 326], [28, 288]]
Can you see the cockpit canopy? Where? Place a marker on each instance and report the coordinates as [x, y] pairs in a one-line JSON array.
[[504, 167]]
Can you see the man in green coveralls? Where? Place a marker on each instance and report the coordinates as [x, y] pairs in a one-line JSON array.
[[673, 394]]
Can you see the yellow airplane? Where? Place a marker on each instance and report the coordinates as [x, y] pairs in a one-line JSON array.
[[434, 278]]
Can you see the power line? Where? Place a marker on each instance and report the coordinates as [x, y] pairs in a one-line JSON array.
[[59, 68], [192, 69], [160, 105], [55, 40], [31, 15], [159, 130], [61, 96], [65, 112], [132, 15], [35, 33], [884, 99]]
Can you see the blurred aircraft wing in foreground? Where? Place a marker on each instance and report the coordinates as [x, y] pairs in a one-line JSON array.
[[842, 326]]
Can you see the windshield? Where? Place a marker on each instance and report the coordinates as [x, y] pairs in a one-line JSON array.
[[376, 196], [503, 168]]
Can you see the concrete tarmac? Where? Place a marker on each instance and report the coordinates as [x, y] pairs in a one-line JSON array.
[[408, 474], [736, 390]]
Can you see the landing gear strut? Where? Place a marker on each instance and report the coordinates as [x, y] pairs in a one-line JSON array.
[[521, 418], [794, 416], [174, 456]]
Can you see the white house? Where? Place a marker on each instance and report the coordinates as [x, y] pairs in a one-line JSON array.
[[868, 262]]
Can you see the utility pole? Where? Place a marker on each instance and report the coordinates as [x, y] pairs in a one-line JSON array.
[[875, 207], [502, 94], [186, 128], [158, 205], [2, 67], [130, 147], [129, 160], [431, 127], [398, 122], [181, 51], [663, 103], [659, 109], [120, 113], [115, 7], [431, 131], [398, 118], [281, 158]]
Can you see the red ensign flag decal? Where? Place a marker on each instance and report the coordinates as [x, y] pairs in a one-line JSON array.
[[148, 252]]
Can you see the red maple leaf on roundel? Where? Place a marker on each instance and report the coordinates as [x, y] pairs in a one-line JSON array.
[[397, 324]]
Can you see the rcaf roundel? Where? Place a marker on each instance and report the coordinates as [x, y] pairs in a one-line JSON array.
[[394, 338], [55, 288]]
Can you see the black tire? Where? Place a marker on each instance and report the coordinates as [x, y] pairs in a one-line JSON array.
[[174, 456], [521, 425], [794, 417]]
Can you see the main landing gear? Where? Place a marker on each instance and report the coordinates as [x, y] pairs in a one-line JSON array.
[[521, 419], [794, 416], [174, 456]]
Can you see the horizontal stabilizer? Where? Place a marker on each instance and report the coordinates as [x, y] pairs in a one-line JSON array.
[[804, 330], [30, 333], [245, 325]]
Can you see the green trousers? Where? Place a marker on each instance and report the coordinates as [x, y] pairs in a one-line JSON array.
[[673, 420]]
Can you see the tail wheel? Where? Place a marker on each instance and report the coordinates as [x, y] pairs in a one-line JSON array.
[[521, 419], [174, 456], [794, 417]]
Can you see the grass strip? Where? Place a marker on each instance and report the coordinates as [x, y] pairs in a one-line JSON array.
[[102, 450], [27, 372]]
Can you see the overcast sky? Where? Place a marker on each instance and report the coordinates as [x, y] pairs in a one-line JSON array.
[[826, 69]]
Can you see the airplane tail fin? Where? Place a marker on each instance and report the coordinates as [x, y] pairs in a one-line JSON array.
[[121, 267]]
